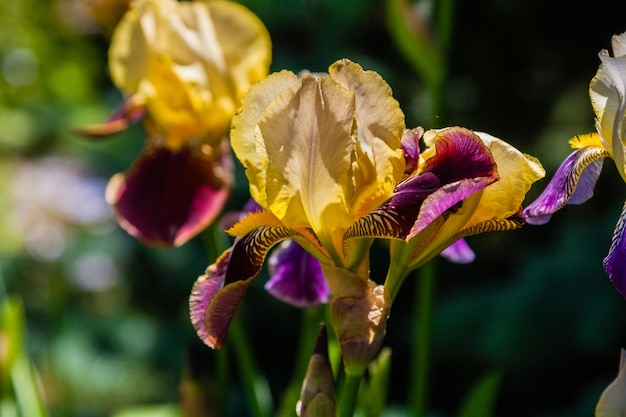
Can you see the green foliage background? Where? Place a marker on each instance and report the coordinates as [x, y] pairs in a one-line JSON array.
[[535, 307]]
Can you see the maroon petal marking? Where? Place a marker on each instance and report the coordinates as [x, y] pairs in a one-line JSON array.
[[461, 167], [573, 183], [168, 196], [615, 262], [216, 295]]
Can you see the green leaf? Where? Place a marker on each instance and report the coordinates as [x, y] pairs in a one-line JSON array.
[[374, 390], [15, 366], [165, 410], [412, 38], [481, 400]]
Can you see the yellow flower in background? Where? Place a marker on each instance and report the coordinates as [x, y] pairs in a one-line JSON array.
[[183, 68]]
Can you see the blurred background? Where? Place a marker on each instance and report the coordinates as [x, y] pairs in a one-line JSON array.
[[107, 324]]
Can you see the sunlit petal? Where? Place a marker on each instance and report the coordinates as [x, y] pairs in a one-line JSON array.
[[607, 91], [242, 134], [380, 127], [308, 135], [572, 183]]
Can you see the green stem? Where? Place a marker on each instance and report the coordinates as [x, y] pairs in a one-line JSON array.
[[348, 395], [255, 386], [221, 361], [311, 319], [422, 342]]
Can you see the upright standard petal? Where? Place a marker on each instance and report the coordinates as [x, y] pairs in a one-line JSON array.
[[334, 146], [170, 196], [607, 91], [191, 61]]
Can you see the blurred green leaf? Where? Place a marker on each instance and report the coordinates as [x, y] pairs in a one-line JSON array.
[[374, 390], [168, 410], [481, 399], [15, 365], [409, 30]]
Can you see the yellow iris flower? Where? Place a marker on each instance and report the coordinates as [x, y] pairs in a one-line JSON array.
[[183, 68]]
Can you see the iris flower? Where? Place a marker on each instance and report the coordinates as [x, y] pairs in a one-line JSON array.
[[574, 181], [183, 68], [326, 160]]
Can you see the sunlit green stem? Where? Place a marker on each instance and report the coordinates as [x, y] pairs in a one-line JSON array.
[[425, 290], [348, 395]]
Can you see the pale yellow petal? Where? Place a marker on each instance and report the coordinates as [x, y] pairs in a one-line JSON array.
[[192, 61], [381, 124], [244, 122], [308, 134], [130, 51]]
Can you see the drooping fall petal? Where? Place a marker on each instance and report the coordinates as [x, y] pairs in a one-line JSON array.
[[296, 277], [216, 294], [440, 184], [170, 196], [573, 183], [614, 264]]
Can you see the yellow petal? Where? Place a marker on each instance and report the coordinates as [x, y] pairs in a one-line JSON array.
[[517, 173], [308, 136], [381, 124], [244, 125], [193, 62]]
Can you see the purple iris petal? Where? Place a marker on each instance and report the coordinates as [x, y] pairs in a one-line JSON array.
[[168, 196], [410, 145], [573, 183], [615, 262], [216, 295], [461, 166], [459, 253], [296, 277], [464, 165]]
